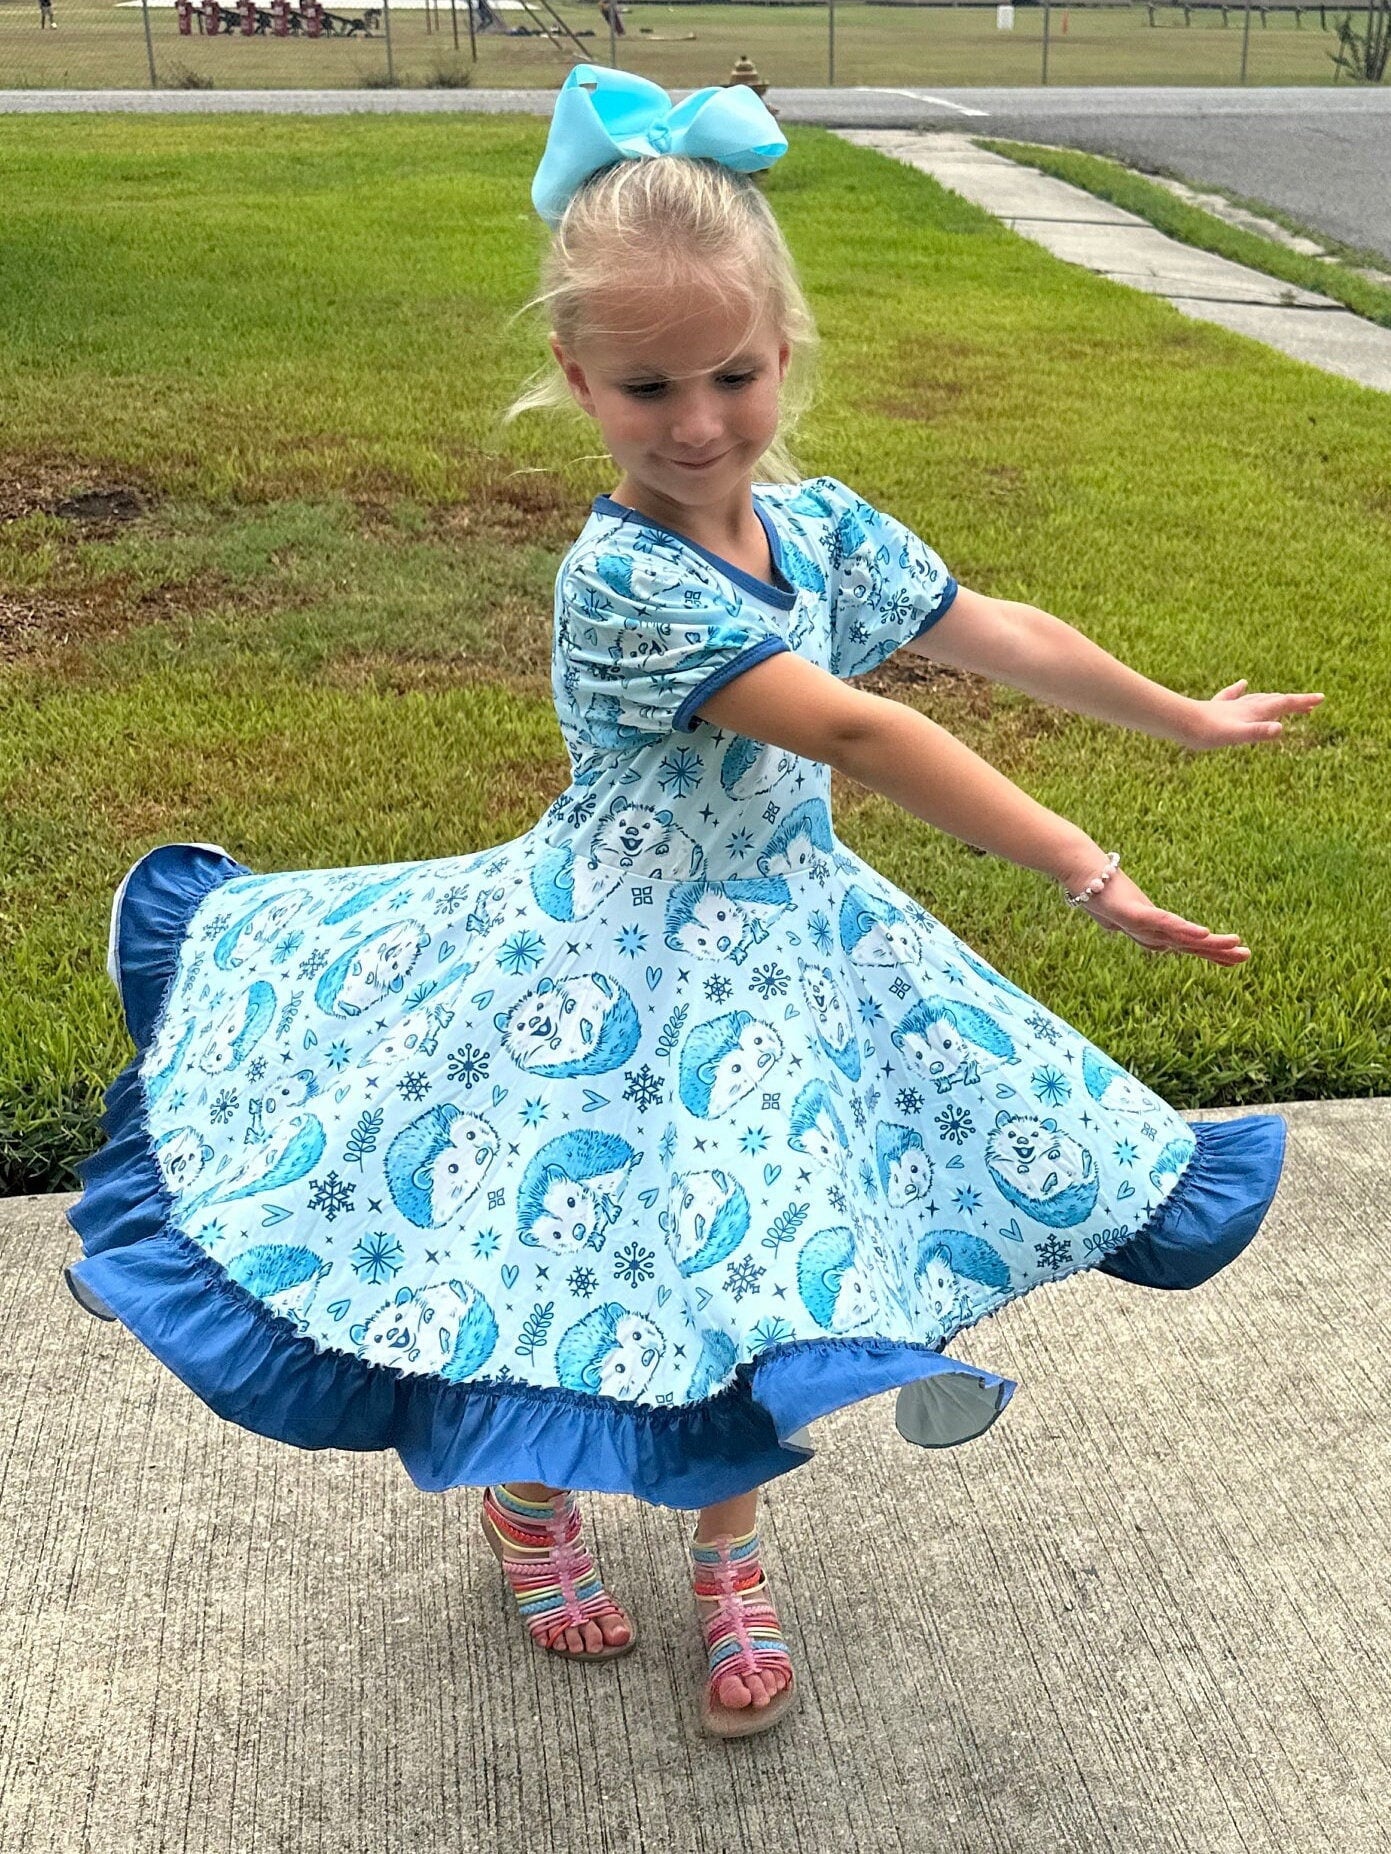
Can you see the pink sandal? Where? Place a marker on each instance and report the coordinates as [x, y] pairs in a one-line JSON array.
[[742, 1633], [556, 1584]]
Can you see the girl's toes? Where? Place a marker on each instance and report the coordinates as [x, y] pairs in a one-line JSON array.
[[574, 1641], [734, 1694], [615, 1631]]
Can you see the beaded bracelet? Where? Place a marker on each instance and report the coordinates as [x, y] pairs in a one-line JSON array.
[[1097, 883]]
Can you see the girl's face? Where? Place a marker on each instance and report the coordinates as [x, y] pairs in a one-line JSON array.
[[686, 410]]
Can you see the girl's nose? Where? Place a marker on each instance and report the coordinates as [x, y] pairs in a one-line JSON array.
[[697, 425]]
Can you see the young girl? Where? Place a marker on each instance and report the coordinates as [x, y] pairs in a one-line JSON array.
[[612, 1157]]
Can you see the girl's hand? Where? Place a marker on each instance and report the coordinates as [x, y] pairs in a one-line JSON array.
[[1122, 907], [1234, 719]]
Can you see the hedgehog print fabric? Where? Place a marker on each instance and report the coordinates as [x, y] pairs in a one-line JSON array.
[[614, 1155]]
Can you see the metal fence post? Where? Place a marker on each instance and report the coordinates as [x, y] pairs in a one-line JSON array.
[[1245, 38], [390, 61], [1043, 79], [149, 44], [454, 20], [472, 38], [830, 42]]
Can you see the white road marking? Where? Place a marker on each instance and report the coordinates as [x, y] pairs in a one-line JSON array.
[[922, 96]]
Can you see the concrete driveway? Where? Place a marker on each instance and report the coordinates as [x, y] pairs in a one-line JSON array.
[[1147, 1612]]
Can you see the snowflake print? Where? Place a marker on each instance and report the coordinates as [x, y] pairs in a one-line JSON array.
[[754, 1140], [956, 1125], [857, 1109], [836, 1198], [820, 930], [485, 1243], [223, 1107], [1054, 1253], [769, 981], [633, 1265], [740, 844], [908, 1101], [718, 989], [818, 868], [632, 941], [452, 901], [582, 1282], [286, 947], [743, 1278], [255, 1069], [644, 1088], [966, 1199], [521, 954], [1126, 1152], [533, 1114], [378, 1257], [1042, 1029], [414, 1085], [667, 1145], [338, 1056], [770, 1332], [679, 773], [1051, 1085], [869, 1011], [332, 1195], [469, 1065]]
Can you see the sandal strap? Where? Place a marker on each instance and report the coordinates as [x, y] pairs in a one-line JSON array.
[[556, 1583], [742, 1633]]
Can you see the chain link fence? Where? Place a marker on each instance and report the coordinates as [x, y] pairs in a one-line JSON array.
[[681, 44]]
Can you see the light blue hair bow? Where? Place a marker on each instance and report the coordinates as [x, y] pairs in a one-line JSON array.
[[603, 116]]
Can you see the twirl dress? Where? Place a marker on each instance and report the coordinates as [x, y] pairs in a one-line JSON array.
[[615, 1155]]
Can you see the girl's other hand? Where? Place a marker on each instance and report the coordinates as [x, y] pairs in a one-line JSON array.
[[1122, 907], [1235, 719]]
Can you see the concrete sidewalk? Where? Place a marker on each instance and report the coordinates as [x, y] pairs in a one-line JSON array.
[[1147, 1612], [1078, 227]]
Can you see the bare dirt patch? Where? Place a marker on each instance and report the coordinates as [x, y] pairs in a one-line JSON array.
[[87, 495], [35, 626], [533, 507]]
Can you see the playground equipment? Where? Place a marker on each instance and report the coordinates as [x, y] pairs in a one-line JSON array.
[[247, 19]]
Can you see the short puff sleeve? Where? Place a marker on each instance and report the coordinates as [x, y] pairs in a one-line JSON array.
[[645, 639], [886, 586]]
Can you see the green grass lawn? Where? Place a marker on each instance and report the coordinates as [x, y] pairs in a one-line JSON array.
[[1109, 180], [103, 45], [304, 609]]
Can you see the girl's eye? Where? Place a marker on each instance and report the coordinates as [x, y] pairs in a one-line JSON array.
[[737, 379]]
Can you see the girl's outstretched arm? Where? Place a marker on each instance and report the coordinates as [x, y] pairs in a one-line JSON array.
[[1033, 651], [899, 752]]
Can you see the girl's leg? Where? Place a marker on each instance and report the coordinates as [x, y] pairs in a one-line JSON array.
[[606, 1631], [737, 1519]]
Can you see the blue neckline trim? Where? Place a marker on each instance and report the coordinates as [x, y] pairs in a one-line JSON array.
[[784, 600]]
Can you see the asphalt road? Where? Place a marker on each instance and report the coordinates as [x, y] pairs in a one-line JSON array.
[[1322, 155]]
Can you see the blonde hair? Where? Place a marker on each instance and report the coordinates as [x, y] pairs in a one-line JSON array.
[[655, 221]]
